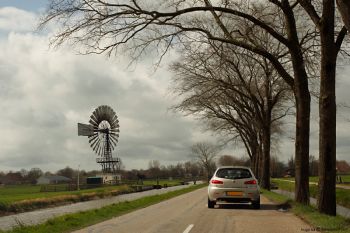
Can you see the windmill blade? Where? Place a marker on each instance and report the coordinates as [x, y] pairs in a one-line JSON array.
[[94, 135], [93, 123], [95, 143], [115, 136], [104, 112], [93, 138], [85, 130], [94, 118], [98, 150], [98, 114], [112, 146], [113, 141], [115, 122], [107, 111], [115, 129], [98, 147], [101, 150], [115, 118]]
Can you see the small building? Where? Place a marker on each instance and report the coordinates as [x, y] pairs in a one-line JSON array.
[[53, 180], [104, 179]]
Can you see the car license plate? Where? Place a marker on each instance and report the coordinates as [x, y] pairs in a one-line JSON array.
[[234, 194]]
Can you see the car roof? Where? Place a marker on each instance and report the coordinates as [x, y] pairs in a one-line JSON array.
[[233, 167]]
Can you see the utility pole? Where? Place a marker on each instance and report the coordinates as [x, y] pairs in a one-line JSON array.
[[78, 178]]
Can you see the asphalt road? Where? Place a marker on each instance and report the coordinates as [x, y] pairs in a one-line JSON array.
[[188, 213]]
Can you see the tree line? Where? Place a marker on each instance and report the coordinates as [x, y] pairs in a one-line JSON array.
[[196, 168], [255, 53]]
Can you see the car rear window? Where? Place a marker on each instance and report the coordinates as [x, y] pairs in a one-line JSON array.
[[233, 173]]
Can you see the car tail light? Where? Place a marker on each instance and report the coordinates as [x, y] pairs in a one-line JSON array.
[[217, 182], [250, 182]]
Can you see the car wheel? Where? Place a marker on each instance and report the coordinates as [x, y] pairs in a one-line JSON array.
[[211, 204], [256, 204]]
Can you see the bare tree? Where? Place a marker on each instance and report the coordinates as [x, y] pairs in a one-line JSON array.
[[67, 172], [240, 91], [103, 26], [324, 18], [154, 168], [229, 160], [34, 174], [136, 25], [344, 9], [205, 153], [226, 160], [277, 167]]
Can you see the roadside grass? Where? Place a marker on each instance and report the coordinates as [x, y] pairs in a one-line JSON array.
[[163, 182], [319, 222], [342, 195], [71, 222]]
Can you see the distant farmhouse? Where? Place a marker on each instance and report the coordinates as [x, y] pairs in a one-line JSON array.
[[53, 180]]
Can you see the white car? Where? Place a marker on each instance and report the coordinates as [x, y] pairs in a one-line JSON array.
[[234, 184]]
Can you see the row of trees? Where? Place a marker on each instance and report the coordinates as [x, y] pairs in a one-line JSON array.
[[201, 165], [242, 57], [30, 176]]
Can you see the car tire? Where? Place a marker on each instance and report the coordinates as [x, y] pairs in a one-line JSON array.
[[211, 204], [256, 204]]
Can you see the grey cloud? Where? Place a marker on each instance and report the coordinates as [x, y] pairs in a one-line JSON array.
[[45, 93]]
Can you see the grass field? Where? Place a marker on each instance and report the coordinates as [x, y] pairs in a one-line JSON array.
[[320, 222], [342, 195], [11, 194], [28, 197], [345, 178], [14, 193]]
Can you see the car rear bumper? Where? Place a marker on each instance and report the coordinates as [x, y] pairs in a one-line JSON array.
[[221, 194]]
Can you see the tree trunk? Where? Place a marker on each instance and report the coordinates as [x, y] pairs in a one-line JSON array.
[[302, 98], [255, 158], [302, 147], [266, 132], [327, 107], [266, 140], [260, 159], [302, 137]]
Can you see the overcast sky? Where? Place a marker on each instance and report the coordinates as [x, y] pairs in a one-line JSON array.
[[45, 92]]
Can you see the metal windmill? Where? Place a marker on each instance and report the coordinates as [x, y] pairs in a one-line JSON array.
[[103, 133]]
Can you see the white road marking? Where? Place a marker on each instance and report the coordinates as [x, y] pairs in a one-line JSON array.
[[188, 229]]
